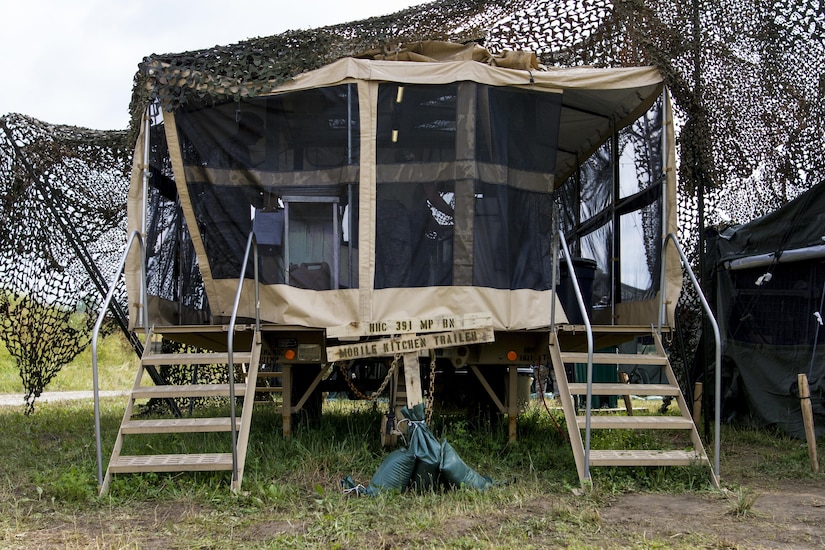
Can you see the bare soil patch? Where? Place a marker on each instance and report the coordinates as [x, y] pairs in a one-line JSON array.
[[792, 516]]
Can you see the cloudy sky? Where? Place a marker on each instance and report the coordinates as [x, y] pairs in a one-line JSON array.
[[73, 61]]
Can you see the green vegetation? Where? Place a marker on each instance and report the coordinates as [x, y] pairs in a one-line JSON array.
[[116, 360], [292, 497], [291, 491]]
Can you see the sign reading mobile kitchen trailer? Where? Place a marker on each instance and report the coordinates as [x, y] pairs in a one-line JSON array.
[[384, 192]]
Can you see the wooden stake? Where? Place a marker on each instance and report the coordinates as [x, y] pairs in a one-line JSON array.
[[286, 399], [512, 409], [808, 419], [412, 379], [628, 402], [697, 402]]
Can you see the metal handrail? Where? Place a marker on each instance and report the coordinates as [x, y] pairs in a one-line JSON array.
[[134, 236], [589, 332], [716, 334], [251, 244]]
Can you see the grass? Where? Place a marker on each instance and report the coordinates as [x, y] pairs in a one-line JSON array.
[[116, 361], [295, 478], [292, 497]]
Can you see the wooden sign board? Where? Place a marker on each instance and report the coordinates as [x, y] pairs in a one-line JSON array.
[[418, 325], [410, 343]]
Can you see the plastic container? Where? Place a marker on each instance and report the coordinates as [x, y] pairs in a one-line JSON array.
[[585, 270]]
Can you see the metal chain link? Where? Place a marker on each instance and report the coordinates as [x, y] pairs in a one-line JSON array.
[[430, 398], [381, 388]]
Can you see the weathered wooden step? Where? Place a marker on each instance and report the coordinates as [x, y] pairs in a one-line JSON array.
[[600, 388], [187, 390], [171, 463], [614, 358], [179, 425], [268, 389], [601, 422], [270, 374], [165, 359], [643, 458]]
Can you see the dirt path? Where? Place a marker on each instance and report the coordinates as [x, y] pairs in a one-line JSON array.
[[790, 516]]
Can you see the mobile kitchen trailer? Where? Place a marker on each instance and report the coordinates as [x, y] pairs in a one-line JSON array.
[[405, 208]]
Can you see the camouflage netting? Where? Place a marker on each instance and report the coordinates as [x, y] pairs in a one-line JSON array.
[[63, 212], [746, 78]]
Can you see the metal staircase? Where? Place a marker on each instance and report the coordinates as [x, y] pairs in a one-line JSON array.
[[269, 382], [234, 454], [566, 349]]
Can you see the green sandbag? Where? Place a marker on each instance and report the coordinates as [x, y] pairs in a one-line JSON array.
[[394, 473], [416, 414], [425, 447], [455, 471], [427, 451]]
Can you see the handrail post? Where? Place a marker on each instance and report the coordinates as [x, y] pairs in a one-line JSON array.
[[135, 235], [718, 352], [554, 275], [589, 333], [251, 245]]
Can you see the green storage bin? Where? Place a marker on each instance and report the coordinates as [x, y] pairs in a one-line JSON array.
[[607, 373]]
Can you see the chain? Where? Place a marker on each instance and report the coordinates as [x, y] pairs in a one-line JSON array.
[[381, 388], [430, 398]]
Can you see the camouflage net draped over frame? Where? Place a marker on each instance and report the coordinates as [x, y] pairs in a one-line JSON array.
[[746, 78], [63, 205]]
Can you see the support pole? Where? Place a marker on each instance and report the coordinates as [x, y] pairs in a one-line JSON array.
[[628, 401], [697, 402], [412, 380], [512, 408], [286, 399]]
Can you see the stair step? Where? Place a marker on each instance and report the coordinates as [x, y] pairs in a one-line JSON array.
[[600, 422], [178, 425], [165, 359], [187, 390], [268, 389], [624, 389], [270, 374], [614, 358], [197, 329], [643, 458], [172, 463]]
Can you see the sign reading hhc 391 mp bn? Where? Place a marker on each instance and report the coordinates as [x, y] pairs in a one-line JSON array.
[[410, 343], [419, 325]]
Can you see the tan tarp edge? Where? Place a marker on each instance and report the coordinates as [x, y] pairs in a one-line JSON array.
[[647, 312], [673, 276], [626, 80], [267, 179], [434, 51], [367, 95], [294, 306], [134, 212], [221, 301], [464, 192]]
